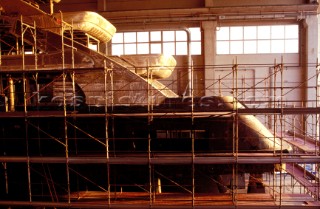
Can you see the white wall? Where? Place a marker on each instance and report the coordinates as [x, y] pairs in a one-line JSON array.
[[261, 66]]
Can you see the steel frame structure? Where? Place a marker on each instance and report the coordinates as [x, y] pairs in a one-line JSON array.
[[150, 196]]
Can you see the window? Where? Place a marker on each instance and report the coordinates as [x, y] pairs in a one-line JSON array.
[[156, 42], [258, 39]]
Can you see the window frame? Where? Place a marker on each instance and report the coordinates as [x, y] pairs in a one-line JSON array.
[[158, 42], [264, 41]]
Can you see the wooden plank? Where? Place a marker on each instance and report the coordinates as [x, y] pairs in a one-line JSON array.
[[307, 146]]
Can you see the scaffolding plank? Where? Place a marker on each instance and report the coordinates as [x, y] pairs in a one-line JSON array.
[[304, 144], [162, 113], [172, 200]]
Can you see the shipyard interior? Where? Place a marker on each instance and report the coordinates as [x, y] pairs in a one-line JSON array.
[[159, 104]]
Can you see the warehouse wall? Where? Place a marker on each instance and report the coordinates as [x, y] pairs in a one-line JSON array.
[[134, 5], [139, 15], [125, 5], [221, 3]]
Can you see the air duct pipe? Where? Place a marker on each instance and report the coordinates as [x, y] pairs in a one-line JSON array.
[[190, 76], [51, 5]]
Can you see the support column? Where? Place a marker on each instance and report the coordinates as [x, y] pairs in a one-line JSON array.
[[209, 52], [311, 24], [310, 61]]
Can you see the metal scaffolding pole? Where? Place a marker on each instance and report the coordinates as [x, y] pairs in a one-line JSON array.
[[66, 138], [317, 127], [26, 89], [149, 158], [149, 124], [235, 137], [107, 127], [192, 131], [282, 123]]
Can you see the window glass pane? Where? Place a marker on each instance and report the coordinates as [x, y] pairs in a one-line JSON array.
[[236, 33], [223, 33], [291, 31], [93, 47], [117, 38], [277, 46], [155, 36], [145, 42], [181, 48], [143, 36], [263, 46], [291, 46], [250, 47], [130, 37], [181, 36], [156, 49], [250, 32], [168, 35], [143, 48], [277, 32], [130, 49], [168, 48], [263, 32], [117, 49], [258, 39], [195, 34], [196, 48], [236, 47], [223, 47]]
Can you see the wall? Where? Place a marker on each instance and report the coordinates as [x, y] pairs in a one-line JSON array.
[[124, 5], [221, 3], [295, 64], [75, 5], [193, 13], [255, 74], [179, 82]]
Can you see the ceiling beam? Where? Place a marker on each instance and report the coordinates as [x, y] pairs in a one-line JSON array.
[[304, 9]]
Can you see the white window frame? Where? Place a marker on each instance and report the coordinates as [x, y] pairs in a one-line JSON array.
[[266, 39], [156, 42]]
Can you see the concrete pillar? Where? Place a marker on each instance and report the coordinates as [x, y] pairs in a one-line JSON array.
[[209, 53], [309, 60], [311, 24], [319, 34]]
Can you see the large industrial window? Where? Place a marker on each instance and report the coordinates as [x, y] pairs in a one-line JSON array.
[[156, 42], [258, 39]]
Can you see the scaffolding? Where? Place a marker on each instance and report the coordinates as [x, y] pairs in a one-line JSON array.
[[77, 135]]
